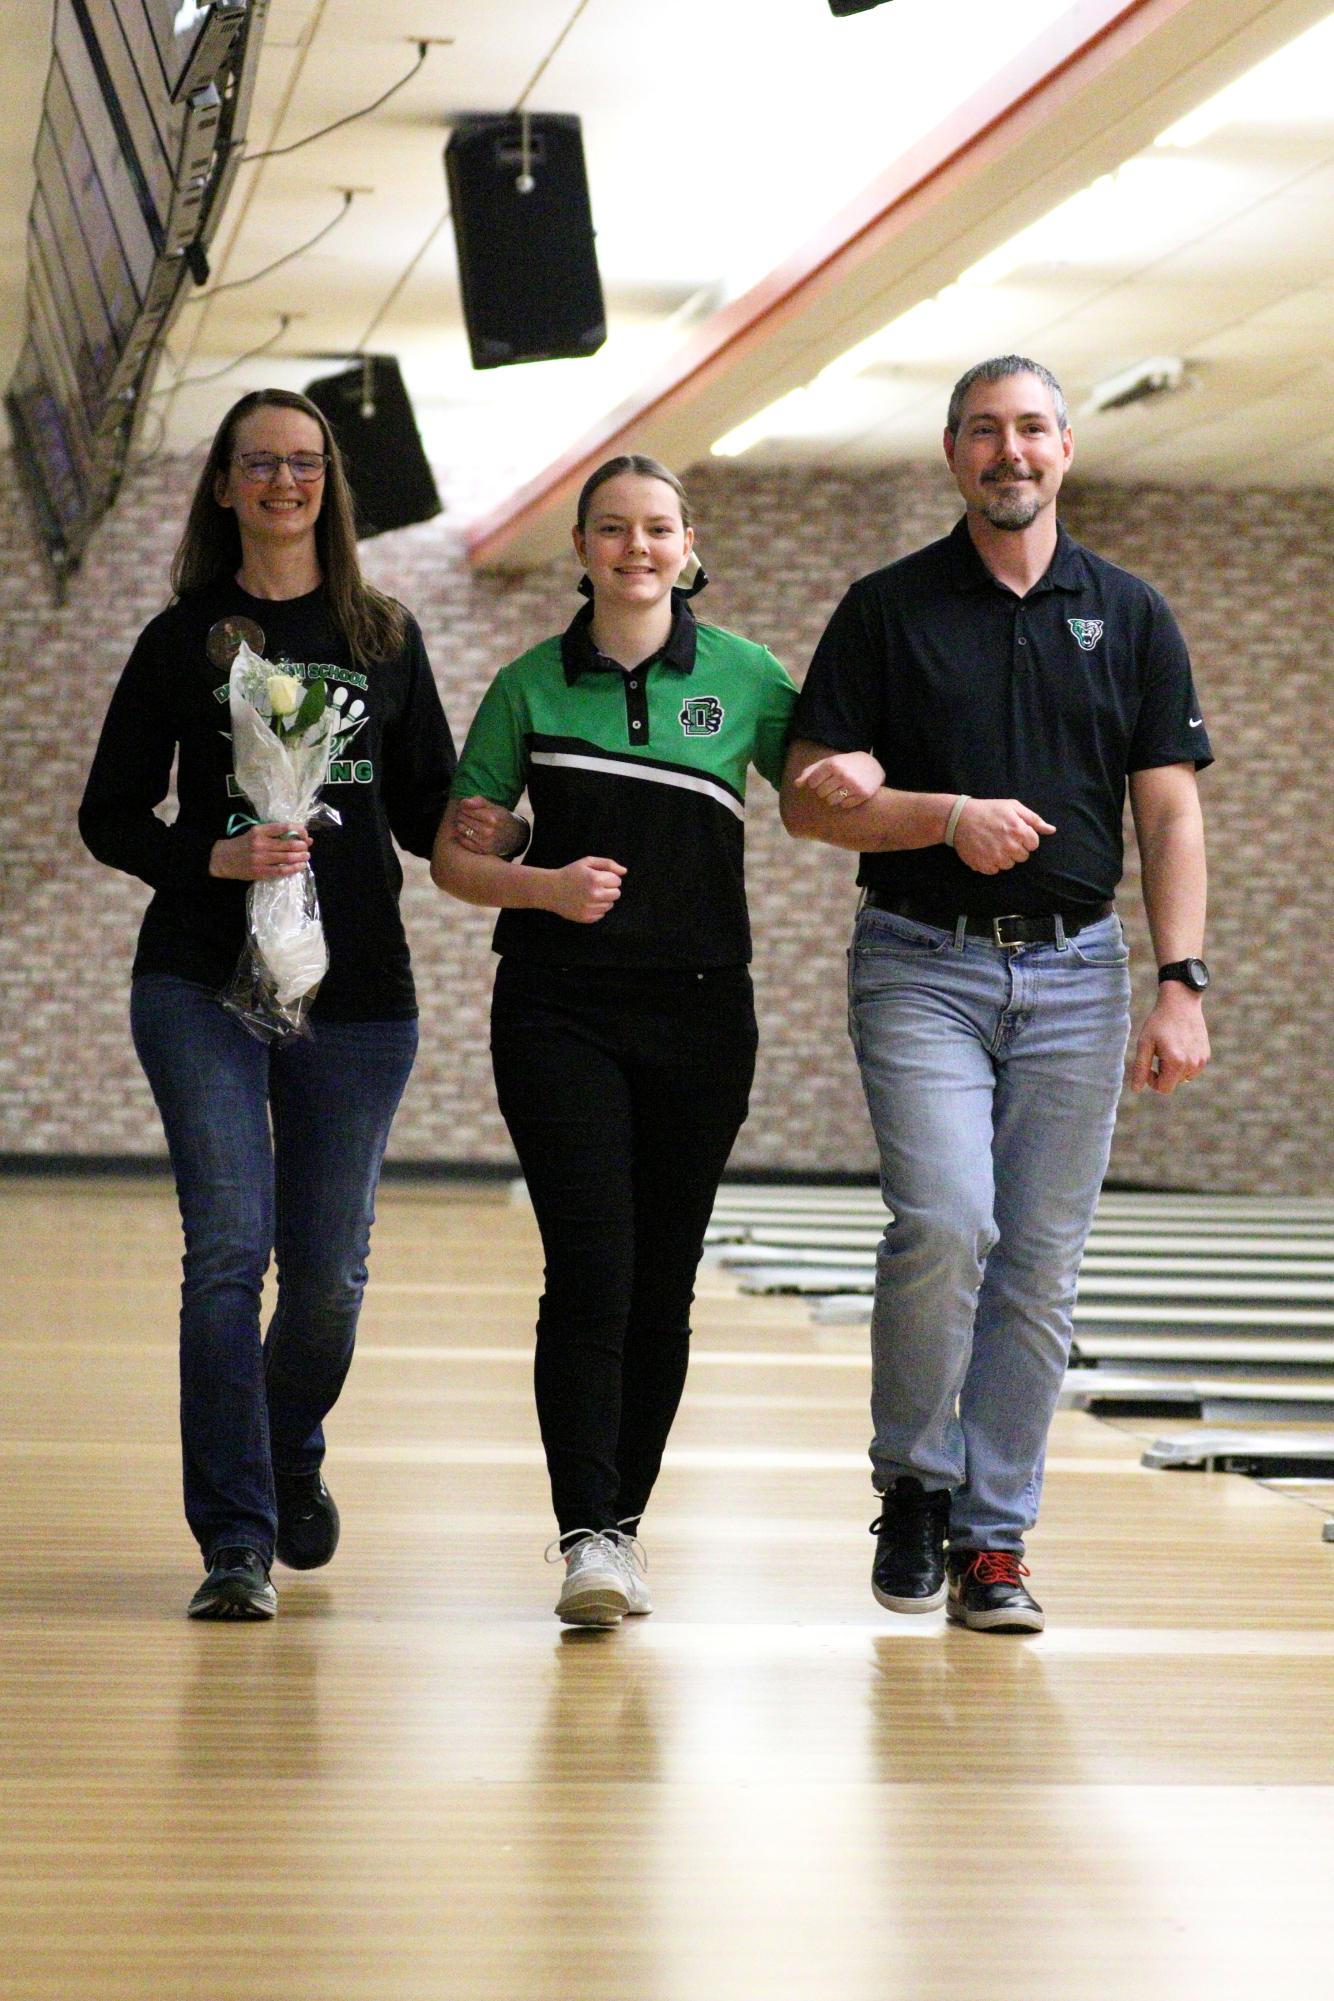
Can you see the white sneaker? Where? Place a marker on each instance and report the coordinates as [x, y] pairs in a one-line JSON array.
[[596, 1591], [634, 1563]]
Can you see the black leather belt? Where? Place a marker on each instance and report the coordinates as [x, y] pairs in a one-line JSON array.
[[1010, 931]]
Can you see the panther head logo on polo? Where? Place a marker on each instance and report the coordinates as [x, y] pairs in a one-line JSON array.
[[1088, 631], [701, 715]]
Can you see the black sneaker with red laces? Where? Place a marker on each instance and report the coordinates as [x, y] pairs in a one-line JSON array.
[[908, 1573], [986, 1592]]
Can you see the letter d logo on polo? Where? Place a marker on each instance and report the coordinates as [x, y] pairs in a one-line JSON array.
[[1088, 631], [701, 715]]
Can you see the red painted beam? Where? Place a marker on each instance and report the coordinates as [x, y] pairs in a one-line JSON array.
[[1087, 41]]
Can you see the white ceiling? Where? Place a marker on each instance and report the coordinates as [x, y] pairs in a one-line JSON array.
[[1219, 252], [720, 135]]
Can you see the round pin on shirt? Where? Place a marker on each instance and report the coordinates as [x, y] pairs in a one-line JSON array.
[[226, 637]]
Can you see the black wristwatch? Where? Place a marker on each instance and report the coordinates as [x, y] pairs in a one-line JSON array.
[[1192, 973]]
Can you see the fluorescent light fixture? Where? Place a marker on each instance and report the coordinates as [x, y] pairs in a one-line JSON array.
[[1294, 84], [1158, 376], [1202, 123], [1147, 200], [835, 404], [916, 335], [1081, 217], [766, 423], [1087, 217], [1113, 215]]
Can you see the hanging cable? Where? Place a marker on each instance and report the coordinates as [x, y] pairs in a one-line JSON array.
[[278, 152], [402, 280], [547, 59], [196, 381], [235, 284], [443, 217]]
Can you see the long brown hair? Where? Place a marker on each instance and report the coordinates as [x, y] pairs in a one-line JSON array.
[[210, 549]]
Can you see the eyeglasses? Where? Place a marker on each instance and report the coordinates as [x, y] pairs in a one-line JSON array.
[[260, 467]]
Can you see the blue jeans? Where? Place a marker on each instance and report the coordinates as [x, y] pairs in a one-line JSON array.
[[992, 1077], [275, 1150]]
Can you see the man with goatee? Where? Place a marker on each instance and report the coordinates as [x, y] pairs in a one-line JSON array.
[[1012, 684]]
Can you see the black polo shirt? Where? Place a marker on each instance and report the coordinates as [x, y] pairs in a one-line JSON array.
[[959, 685]]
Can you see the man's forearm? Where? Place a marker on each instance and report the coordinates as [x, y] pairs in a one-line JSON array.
[[1174, 877], [891, 819], [1174, 883], [1173, 1044]]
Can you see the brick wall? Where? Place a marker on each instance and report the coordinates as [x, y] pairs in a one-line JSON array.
[[1248, 574]]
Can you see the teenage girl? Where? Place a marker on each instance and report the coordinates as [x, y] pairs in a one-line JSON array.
[[623, 1026]]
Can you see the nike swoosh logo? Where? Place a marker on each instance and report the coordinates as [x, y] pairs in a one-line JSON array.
[[1195, 722]]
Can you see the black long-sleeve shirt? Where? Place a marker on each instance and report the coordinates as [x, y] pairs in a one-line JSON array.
[[389, 778]]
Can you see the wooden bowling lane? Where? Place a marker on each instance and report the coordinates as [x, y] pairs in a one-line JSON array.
[[414, 1786]]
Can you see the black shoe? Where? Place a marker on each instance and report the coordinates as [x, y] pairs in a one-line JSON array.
[[237, 1587], [908, 1574], [307, 1521], [986, 1592]]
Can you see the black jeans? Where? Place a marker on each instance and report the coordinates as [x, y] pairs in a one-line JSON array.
[[623, 1093]]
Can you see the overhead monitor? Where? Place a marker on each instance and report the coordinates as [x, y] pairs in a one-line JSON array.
[[141, 128]]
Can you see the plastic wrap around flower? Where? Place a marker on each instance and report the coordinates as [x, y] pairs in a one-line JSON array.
[[282, 732]]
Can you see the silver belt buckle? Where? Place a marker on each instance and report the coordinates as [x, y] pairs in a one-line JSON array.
[[1007, 944]]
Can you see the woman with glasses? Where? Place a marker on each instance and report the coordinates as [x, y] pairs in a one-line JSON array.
[[623, 1027], [276, 1148]]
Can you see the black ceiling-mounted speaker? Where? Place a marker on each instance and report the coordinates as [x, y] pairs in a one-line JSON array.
[[524, 229], [367, 409]]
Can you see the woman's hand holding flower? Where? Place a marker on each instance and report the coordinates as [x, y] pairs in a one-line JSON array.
[[261, 854]]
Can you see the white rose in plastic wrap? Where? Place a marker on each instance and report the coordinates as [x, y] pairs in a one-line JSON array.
[[286, 926], [285, 694], [281, 736]]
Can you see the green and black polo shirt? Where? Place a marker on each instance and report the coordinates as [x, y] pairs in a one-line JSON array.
[[646, 766]]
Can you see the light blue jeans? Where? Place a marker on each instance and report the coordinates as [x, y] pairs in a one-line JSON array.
[[992, 1077]]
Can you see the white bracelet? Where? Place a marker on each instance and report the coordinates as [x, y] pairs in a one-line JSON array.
[[952, 824]]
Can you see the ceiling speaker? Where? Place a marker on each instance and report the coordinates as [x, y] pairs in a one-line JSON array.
[[523, 224], [367, 409]]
